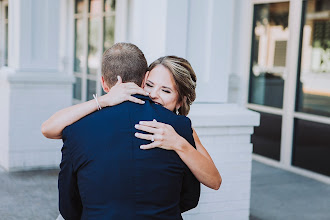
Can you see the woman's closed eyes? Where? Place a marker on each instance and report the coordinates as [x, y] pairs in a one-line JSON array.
[[148, 84]]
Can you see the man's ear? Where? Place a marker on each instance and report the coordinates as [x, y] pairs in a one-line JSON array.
[[104, 85], [145, 79]]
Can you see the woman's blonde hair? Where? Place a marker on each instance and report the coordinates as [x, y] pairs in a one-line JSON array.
[[184, 77]]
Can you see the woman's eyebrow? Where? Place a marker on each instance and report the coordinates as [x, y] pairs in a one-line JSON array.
[[149, 81], [167, 88]]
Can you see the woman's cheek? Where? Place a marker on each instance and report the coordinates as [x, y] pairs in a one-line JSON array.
[[146, 89]]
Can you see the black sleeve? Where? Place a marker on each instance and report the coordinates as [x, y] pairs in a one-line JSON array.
[[190, 192], [70, 205]]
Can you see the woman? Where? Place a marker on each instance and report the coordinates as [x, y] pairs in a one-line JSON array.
[[170, 82]]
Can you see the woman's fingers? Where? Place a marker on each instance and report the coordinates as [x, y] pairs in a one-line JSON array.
[[154, 123], [147, 129], [150, 146], [148, 137], [136, 100], [140, 91], [119, 80]]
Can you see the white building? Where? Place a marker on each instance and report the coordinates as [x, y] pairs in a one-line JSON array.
[[271, 56]]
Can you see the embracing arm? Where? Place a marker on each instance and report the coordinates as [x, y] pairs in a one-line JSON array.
[[198, 160], [53, 127]]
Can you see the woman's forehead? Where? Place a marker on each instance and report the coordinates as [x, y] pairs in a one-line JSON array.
[[162, 76]]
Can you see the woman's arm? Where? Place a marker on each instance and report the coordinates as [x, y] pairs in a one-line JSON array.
[[198, 160], [53, 127]]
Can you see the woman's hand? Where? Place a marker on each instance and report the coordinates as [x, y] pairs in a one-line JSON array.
[[122, 92], [162, 135]]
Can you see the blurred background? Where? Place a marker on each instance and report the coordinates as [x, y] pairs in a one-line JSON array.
[[262, 107]]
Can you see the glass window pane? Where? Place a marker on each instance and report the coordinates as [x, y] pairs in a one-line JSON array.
[[6, 12], [311, 148], [267, 137], [77, 89], [109, 5], [91, 89], [93, 45], [79, 6], [6, 45], [79, 58], [268, 55], [95, 6], [109, 32], [313, 84]]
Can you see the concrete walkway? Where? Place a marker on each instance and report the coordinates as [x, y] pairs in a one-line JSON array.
[[29, 195], [275, 195], [280, 195]]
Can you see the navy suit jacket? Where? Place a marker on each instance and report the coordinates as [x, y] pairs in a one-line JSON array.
[[105, 175]]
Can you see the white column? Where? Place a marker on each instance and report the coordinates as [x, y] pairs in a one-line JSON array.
[[33, 88], [241, 52], [210, 33], [203, 31], [147, 26], [225, 131]]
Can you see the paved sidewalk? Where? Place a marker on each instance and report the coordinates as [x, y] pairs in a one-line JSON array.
[[275, 195], [28, 195], [280, 195]]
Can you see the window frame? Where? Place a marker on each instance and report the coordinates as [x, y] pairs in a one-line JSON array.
[[120, 34]]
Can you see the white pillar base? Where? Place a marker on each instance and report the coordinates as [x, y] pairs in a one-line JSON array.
[[28, 99], [225, 131]]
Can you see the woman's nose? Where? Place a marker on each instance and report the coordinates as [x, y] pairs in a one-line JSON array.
[[153, 94]]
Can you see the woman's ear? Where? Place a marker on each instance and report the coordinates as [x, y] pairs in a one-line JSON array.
[[104, 85], [145, 79], [180, 104]]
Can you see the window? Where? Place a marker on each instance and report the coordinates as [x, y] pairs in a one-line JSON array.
[[313, 93], [294, 132], [94, 27], [4, 27], [267, 139], [270, 35], [311, 146], [269, 42]]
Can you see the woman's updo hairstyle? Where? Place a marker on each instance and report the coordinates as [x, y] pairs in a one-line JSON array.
[[184, 77]]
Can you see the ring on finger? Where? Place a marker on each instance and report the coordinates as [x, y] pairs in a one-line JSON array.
[[152, 138]]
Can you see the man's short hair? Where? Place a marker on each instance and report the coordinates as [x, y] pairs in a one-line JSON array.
[[125, 60]]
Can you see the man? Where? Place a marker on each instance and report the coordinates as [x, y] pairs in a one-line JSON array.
[[104, 173]]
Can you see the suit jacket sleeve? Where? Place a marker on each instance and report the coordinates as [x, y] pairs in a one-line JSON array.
[[191, 186], [70, 205]]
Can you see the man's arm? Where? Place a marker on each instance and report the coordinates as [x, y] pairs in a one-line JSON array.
[[70, 205], [190, 192]]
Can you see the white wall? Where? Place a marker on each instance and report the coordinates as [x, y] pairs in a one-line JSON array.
[[32, 85]]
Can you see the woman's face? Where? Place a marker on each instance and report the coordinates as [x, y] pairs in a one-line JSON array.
[[161, 87]]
